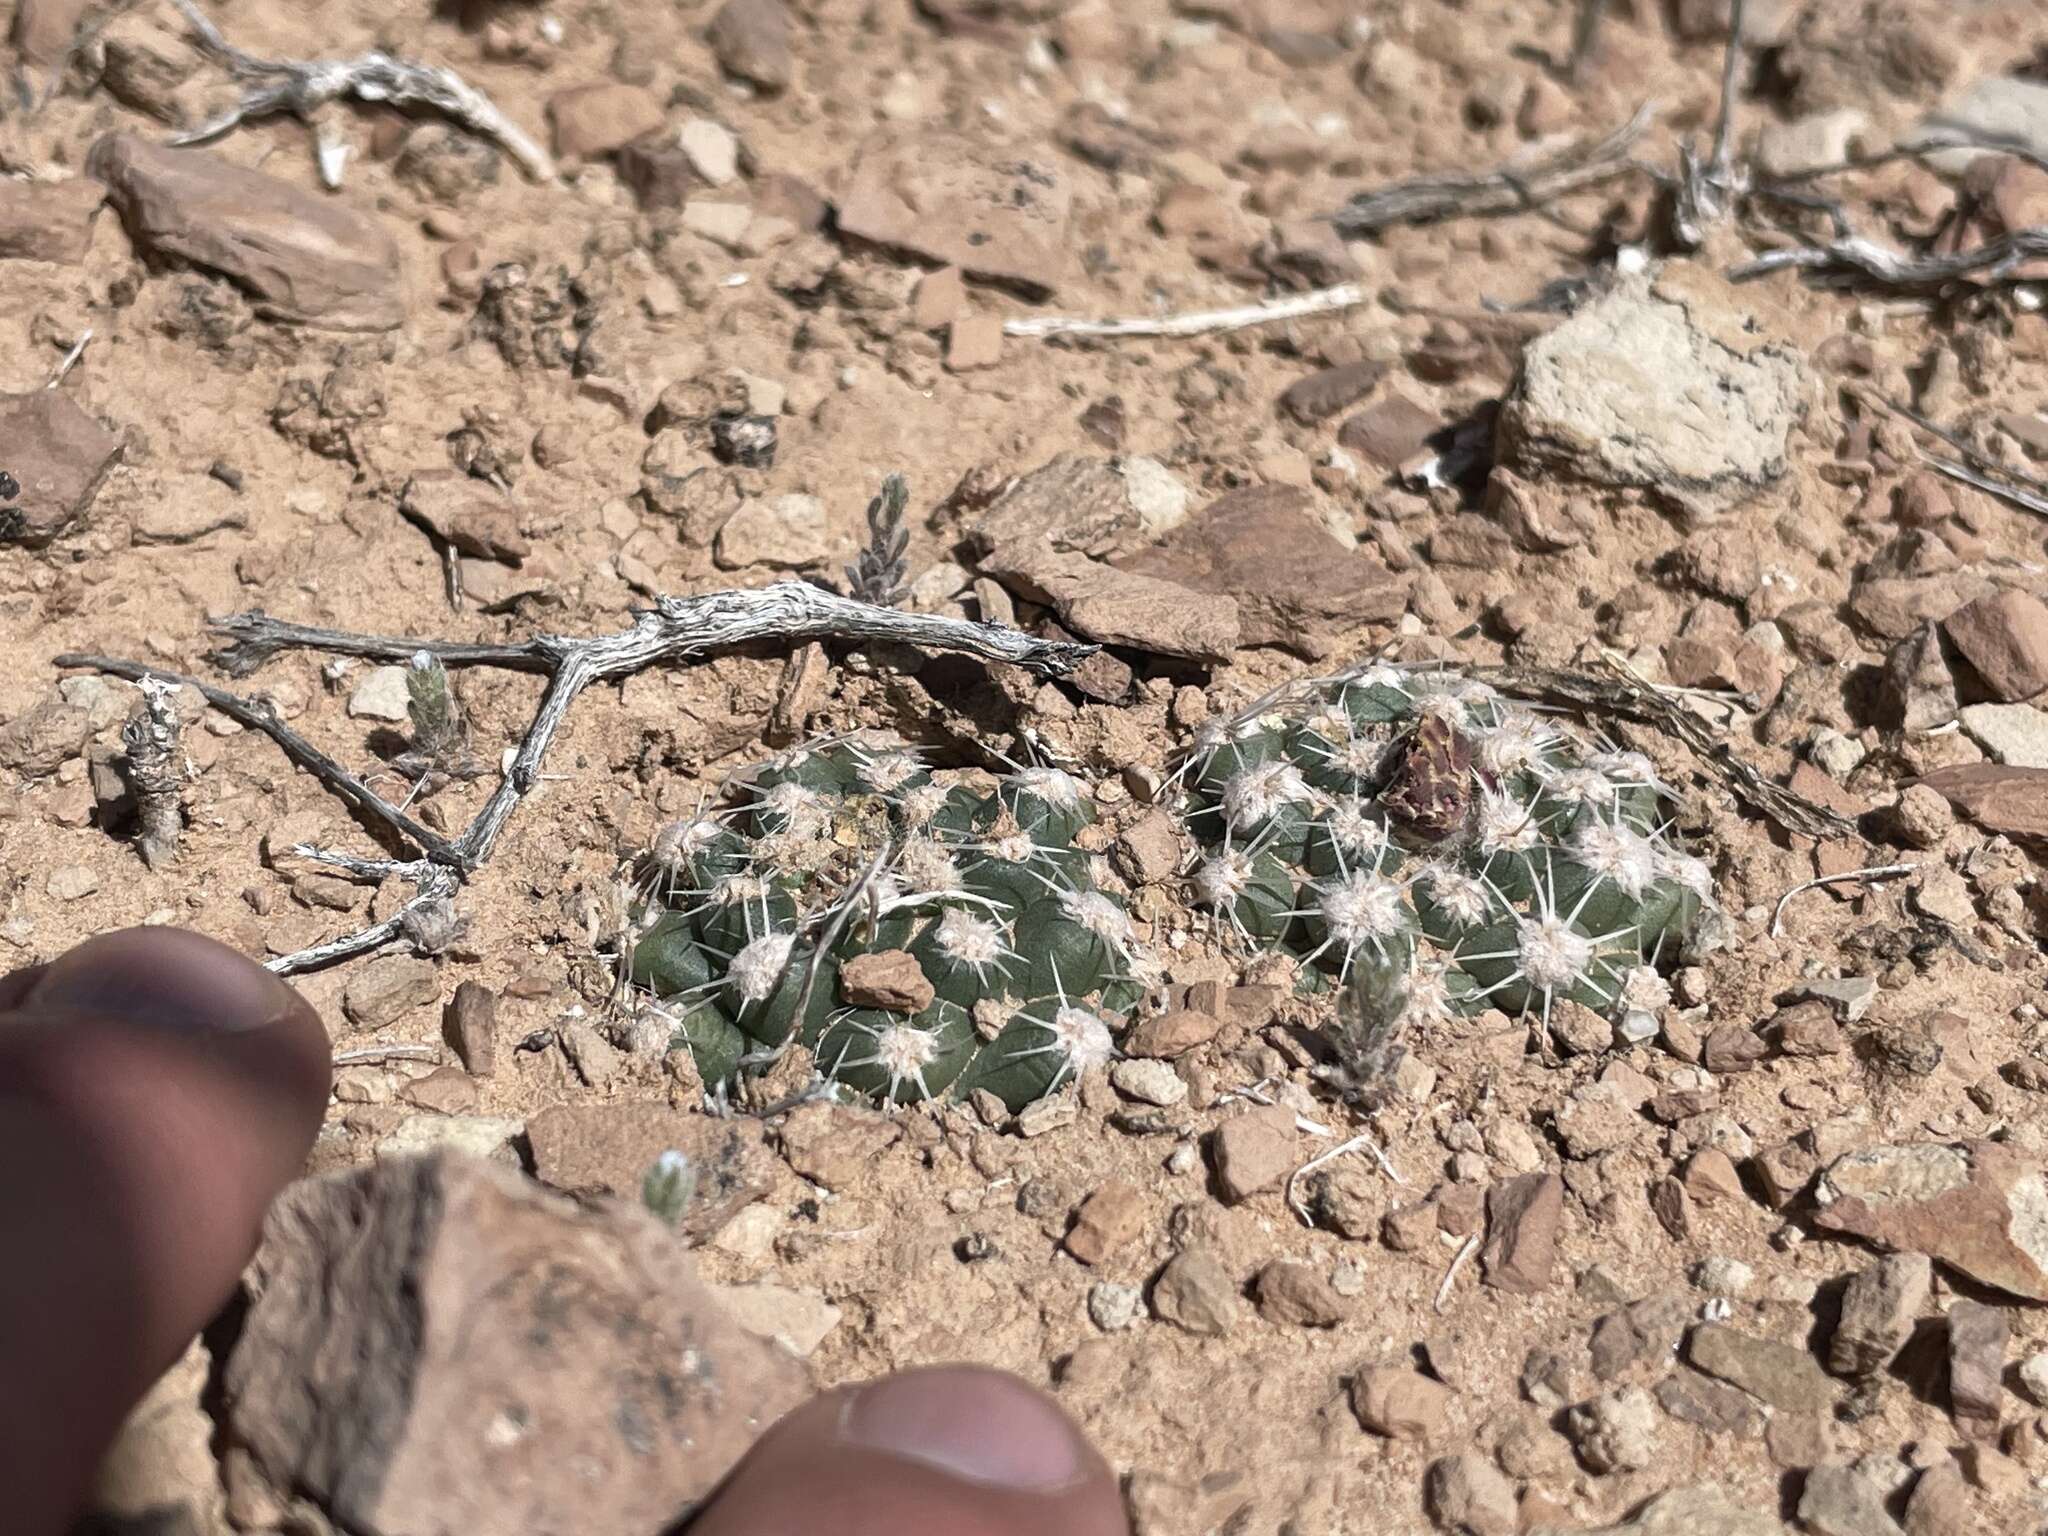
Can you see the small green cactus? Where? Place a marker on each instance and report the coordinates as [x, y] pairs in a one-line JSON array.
[[1407, 836], [1438, 849], [669, 1187], [848, 847]]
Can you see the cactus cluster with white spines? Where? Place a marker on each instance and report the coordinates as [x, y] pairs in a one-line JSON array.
[[852, 846], [1439, 849]]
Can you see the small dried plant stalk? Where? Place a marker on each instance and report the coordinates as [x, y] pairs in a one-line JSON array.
[[881, 574], [154, 772]]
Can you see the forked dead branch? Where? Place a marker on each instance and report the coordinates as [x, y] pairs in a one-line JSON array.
[[676, 629]]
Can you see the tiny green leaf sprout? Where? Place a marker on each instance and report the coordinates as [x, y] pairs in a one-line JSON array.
[[1431, 848], [1007, 961]]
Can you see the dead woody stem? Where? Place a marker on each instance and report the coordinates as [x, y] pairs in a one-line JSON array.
[[155, 772], [677, 629]]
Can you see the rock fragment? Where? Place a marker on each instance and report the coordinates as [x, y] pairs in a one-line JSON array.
[[543, 1340], [1975, 1207], [1268, 549], [1977, 1340], [1879, 1307], [592, 120], [2013, 734], [1323, 394], [1670, 384], [796, 1321], [1615, 1432], [463, 511], [1706, 1510], [1401, 1404], [303, 258], [386, 989], [59, 456], [1255, 1151], [1000, 218], [48, 220], [1101, 602], [1781, 1375], [1299, 1295], [1110, 1219], [2013, 801], [1839, 1500], [1195, 1292], [836, 1144], [751, 41], [889, 979], [789, 532], [1523, 1215], [604, 1150], [2004, 637], [1468, 1496], [1175, 1033], [1100, 507]]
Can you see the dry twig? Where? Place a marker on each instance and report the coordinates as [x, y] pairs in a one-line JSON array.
[[1846, 877], [1359, 1143], [1320, 301], [1511, 188], [155, 766], [303, 86], [1852, 259], [675, 629], [1973, 468]]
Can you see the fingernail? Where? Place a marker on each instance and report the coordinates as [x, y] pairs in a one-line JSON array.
[[975, 1425], [169, 977]]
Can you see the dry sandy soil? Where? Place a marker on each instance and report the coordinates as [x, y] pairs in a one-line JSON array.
[[784, 244]]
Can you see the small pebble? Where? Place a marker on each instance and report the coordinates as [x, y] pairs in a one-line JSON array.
[[1113, 1307], [1149, 1082]]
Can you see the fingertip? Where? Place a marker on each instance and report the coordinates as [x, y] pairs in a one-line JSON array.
[[945, 1451]]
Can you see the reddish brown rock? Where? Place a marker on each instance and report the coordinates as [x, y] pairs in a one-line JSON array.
[[591, 1150], [1390, 431], [1109, 1220], [1975, 1207], [999, 217], [2004, 635], [1195, 1292], [1879, 1307], [1299, 1295], [1401, 1404], [592, 120], [48, 220], [469, 1023], [59, 455], [1977, 1340], [1172, 1034], [1254, 1151], [304, 258], [1081, 502], [2013, 801], [835, 1144], [1266, 548], [462, 510], [1323, 394], [1522, 1219], [435, 1339], [1117, 607], [890, 979], [1783, 1375], [750, 39]]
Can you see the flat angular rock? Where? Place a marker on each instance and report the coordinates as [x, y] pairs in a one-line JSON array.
[[2004, 636], [2013, 734], [48, 220], [1998, 799], [303, 258], [1522, 1218], [1323, 394], [1300, 1296], [592, 1150], [1100, 507], [792, 1320], [1254, 1151], [1109, 1219], [1839, 1500], [60, 456], [1267, 548], [1879, 1307], [1997, 107], [889, 978], [46, 30], [1782, 1375], [1401, 1404], [1670, 384], [836, 1144], [999, 217], [1117, 607], [434, 1340], [384, 990], [1706, 1510], [1977, 1340], [462, 510], [1975, 1207]]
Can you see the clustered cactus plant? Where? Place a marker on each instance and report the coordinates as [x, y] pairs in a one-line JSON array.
[[1441, 850], [1406, 834], [748, 922]]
